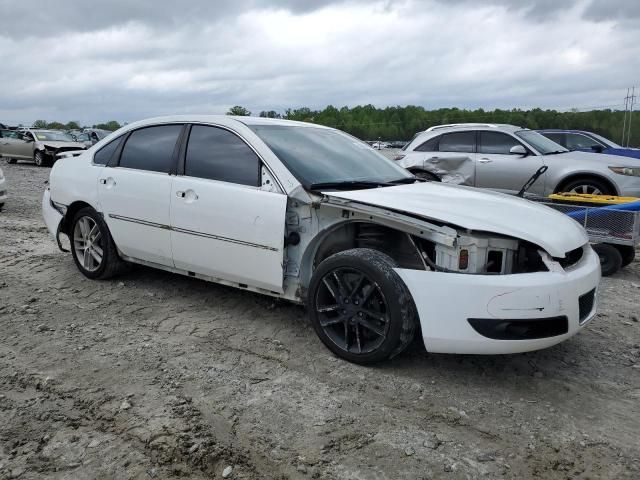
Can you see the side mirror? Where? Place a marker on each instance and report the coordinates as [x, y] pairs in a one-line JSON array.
[[518, 150], [27, 139], [597, 148]]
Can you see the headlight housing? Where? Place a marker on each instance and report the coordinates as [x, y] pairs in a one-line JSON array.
[[630, 171]]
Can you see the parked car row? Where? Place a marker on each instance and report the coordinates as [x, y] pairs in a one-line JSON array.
[[312, 215], [504, 157], [36, 145]]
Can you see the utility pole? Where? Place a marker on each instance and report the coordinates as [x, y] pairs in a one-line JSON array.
[[632, 101], [624, 117]]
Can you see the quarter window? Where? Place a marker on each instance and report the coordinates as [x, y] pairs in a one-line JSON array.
[[103, 155], [458, 142], [430, 145], [151, 148], [217, 154], [496, 143]]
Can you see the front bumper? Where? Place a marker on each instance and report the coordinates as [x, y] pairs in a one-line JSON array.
[[446, 302], [52, 217], [629, 186]]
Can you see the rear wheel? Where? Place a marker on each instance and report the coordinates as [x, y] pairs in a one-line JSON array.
[[610, 258], [92, 247], [360, 308], [591, 186], [628, 254]]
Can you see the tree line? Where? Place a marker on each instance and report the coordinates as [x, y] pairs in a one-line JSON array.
[[401, 123]]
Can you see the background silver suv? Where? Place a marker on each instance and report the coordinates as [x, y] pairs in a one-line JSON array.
[[503, 158]]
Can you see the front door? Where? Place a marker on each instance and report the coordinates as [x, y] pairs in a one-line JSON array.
[[223, 224], [497, 169], [135, 194]]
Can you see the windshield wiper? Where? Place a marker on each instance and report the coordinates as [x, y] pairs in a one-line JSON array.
[[405, 180], [556, 152], [347, 184]]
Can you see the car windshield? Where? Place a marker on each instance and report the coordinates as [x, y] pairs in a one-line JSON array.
[[322, 156], [541, 143], [53, 136], [606, 141]]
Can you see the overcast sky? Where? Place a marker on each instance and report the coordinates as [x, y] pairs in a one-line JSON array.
[[131, 59]]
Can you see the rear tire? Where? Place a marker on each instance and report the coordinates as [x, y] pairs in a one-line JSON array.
[[628, 254], [610, 258], [92, 247], [359, 306], [587, 185]]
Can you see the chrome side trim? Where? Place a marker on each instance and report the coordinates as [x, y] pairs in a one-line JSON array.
[[192, 232]]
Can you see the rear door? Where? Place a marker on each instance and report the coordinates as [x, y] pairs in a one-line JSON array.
[[497, 169], [135, 192], [223, 223], [451, 156]]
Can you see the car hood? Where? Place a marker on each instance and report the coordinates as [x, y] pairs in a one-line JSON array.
[[624, 152], [56, 144], [614, 159], [473, 209]]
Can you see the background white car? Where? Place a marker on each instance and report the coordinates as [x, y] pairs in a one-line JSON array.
[[3, 189], [313, 215]]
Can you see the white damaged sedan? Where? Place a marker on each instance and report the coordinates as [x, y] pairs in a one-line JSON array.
[[312, 215]]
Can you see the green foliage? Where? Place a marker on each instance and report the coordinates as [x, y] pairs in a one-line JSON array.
[[111, 125], [56, 126], [401, 123], [72, 126], [40, 124], [270, 114], [238, 110]]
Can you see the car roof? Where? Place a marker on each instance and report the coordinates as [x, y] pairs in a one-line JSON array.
[[463, 126], [222, 119], [561, 130]]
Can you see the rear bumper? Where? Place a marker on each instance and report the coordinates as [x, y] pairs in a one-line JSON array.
[[455, 308], [52, 217]]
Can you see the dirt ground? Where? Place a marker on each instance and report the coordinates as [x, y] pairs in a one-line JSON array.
[[155, 375]]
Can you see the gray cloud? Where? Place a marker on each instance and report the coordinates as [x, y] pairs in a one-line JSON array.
[[130, 60]]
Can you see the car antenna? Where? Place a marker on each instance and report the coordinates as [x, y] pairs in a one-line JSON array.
[[532, 180]]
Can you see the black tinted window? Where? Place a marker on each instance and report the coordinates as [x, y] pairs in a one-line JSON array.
[[103, 155], [218, 154], [557, 137], [458, 142], [495, 142], [577, 140], [430, 145], [151, 148]]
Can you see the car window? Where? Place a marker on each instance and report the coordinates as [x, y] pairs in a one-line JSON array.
[[559, 138], [496, 143], [102, 156], [430, 145], [151, 148], [457, 142], [577, 140], [217, 154]]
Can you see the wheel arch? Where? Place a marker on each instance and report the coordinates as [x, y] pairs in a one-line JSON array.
[[349, 234], [582, 175], [72, 209]]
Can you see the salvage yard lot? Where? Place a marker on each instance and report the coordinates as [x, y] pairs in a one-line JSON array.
[[155, 375]]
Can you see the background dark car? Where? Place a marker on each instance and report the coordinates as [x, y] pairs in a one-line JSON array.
[[588, 142]]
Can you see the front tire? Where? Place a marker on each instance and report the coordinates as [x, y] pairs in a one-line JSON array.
[[359, 306], [40, 159], [92, 247]]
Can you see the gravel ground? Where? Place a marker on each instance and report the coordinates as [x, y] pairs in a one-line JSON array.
[[154, 375]]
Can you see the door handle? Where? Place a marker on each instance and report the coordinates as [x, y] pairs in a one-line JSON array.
[[434, 160], [108, 182], [180, 194], [103, 181], [485, 160]]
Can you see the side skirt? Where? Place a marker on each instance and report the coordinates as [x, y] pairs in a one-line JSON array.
[[209, 278]]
